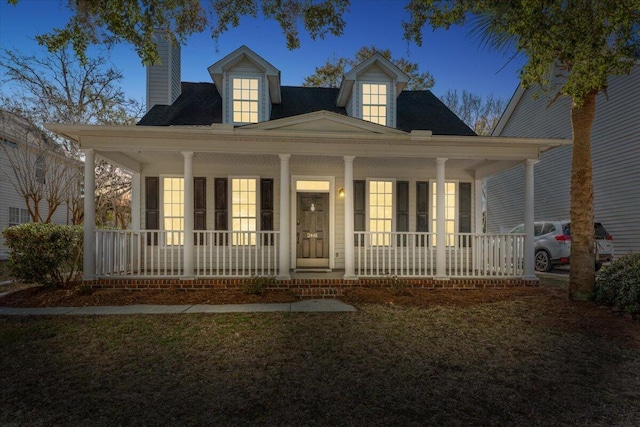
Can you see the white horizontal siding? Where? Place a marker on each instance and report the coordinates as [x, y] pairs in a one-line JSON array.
[[615, 158]]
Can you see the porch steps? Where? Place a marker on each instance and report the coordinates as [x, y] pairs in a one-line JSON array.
[[307, 287], [317, 292]]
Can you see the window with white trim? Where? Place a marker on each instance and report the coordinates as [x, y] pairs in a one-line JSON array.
[[374, 103], [380, 212], [450, 211], [244, 207], [18, 216], [245, 100], [173, 209]]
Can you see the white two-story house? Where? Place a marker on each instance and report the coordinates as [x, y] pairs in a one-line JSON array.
[[243, 176]]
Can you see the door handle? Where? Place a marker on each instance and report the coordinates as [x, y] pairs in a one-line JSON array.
[[298, 238]]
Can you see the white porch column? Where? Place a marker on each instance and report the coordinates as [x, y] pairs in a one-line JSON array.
[[187, 253], [529, 246], [441, 239], [89, 255], [479, 226], [135, 201], [285, 222], [349, 258]]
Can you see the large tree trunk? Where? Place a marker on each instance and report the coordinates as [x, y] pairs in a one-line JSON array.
[[582, 273]]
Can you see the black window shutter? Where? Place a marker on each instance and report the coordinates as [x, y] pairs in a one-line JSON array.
[[464, 210], [152, 207], [464, 213], [402, 210], [266, 208], [359, 209], [422, 209], [220, 205], [200, 206]]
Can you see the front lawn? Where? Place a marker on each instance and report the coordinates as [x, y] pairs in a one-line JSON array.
[[518, 358]]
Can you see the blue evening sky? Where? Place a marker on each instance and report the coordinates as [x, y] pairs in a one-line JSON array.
[[456, 59]]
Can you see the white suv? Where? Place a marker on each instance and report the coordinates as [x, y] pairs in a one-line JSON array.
[[553, 244]]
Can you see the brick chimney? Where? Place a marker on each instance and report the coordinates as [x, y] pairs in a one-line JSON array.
[[163, 79]]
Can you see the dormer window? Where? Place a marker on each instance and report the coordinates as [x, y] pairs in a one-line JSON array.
[[248, 85], [374, 103], [370, 90], [245, 100]]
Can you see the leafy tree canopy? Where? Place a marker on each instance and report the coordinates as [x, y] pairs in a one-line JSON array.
[[136, 22], [586, 40], [330, 74]]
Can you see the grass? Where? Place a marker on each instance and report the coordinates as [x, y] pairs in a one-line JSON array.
[[507, 362]]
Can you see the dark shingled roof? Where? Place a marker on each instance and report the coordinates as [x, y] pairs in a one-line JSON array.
[[422, 110], [301, 100], [200, 104]]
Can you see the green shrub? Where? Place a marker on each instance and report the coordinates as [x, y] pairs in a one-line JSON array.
[[256, 285], [4, 271], [619, 284], [49, 254]]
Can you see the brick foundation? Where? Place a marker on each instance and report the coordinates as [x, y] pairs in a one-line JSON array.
[[306, 288]]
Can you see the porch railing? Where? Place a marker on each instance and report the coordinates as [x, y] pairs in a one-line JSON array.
[[413, 254], [154, 253]]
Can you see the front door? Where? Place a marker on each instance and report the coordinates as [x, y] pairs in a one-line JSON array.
[[312, 231]]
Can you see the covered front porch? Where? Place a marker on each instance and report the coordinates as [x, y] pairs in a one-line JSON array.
[[395, 204]]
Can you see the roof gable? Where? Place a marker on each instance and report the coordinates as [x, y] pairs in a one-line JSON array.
[[243, 53], [378, 61], [324, 122]]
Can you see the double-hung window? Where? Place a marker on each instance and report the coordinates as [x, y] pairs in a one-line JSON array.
[[173, 208], [380, 212], [450, 209], [245, 100], [244, 196], [374, 103], [18, 216]]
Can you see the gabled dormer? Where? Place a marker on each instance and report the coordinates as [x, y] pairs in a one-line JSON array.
[[369, 91], [248, 85]]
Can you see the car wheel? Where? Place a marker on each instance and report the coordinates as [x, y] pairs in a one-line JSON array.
[[543, 262]]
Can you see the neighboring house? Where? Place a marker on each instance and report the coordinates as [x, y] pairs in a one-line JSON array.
[[615, 150], [244, 176], [15, 132]]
